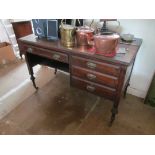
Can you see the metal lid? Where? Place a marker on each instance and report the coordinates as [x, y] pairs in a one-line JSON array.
[[85, 29], [107, 37]]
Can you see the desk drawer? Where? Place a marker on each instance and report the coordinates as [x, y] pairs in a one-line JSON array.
[[96, 77], [96, 66], [93, 88], [49, 54]]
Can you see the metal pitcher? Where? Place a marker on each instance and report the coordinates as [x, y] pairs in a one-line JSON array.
[[84, 35], [67, 33]]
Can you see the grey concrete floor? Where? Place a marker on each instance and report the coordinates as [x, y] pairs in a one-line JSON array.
[[58, 108]]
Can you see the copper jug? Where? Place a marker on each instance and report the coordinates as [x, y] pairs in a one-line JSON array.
[[106, 44], [67, 33], [84, 36]]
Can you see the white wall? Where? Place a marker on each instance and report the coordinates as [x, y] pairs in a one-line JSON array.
[[3, 35], [145, 60]]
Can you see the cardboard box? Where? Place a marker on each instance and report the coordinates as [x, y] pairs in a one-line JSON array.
[[6, 53]]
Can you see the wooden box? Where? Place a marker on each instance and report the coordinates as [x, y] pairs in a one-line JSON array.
[[6, 53]]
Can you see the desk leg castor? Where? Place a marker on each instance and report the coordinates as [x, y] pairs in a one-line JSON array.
[[55, 71], [21, 56], [33, 81], [114, 111]]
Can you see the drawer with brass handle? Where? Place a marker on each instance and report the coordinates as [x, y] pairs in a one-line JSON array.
[[93, 76], [62, 57], [94, 88], [102, 67]]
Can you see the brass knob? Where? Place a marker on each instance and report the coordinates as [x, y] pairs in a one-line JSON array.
[[29, 49], [90, 88], [91, 65], [56, 56], [91, 76]]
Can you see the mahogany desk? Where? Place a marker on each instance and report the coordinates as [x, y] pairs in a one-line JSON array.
[[97, 74]]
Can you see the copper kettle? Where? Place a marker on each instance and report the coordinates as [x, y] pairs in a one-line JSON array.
[[84, 35]]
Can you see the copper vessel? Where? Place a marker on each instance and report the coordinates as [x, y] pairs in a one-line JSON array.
[[84, 35], [106, 44], [67, 33]]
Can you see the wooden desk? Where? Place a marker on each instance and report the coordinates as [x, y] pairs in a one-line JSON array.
[[100, 75]]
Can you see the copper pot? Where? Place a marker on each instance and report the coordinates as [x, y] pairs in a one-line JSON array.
[[84, 36], [106, 44]]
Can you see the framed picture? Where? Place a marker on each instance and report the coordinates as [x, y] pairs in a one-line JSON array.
[[52, 29]]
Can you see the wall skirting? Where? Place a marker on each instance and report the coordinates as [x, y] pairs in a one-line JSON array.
[[136, 92]]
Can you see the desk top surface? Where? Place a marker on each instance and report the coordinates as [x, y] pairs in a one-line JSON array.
[[125, 59]]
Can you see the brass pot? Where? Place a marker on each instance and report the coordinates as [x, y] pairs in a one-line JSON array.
[[67, 33], [84, 36], [106, 44]]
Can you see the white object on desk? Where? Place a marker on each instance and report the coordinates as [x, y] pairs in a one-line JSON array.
[[122, 50], [127, 37]]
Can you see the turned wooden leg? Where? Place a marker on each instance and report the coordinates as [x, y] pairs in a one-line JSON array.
[[55, 71], [114, 111], [125, 90], [128, 84], [30, 68], [33, 81]]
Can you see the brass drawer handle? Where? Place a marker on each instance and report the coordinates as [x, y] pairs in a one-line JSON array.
[[91, 65], [90, 88], [56, 56], [29, 50], [91, 76]]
